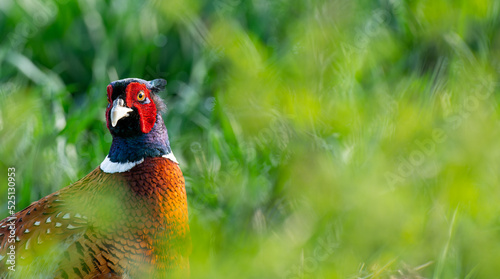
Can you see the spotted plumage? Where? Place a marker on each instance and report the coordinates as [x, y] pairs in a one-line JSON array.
[[126, 219]]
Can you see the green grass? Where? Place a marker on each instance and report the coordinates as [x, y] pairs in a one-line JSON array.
[[318, 139]]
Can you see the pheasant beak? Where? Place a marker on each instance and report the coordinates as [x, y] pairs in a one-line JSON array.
[[119, 111]]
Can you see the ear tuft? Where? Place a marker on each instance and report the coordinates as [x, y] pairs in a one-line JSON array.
[[157, 85]]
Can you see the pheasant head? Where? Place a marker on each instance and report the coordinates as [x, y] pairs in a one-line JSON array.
[[133, 117]]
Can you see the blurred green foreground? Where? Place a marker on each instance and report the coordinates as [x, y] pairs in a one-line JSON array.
[[319, 139]]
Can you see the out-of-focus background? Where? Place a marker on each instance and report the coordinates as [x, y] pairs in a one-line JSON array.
[[319, 139]]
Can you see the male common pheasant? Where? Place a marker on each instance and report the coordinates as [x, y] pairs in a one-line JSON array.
[[126, 219]]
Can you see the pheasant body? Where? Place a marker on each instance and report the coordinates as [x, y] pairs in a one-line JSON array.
[[126, 219]]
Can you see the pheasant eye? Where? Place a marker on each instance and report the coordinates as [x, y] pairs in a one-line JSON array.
[[141, 96]]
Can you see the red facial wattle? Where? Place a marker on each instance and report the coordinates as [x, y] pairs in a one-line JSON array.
[[147, 110]]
